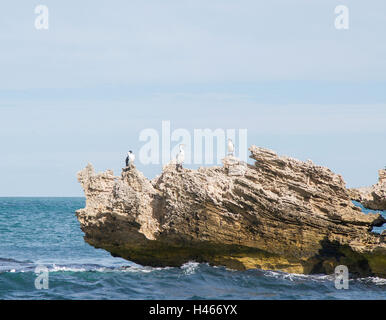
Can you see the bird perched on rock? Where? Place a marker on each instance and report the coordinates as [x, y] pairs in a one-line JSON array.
[[180, 158], [130, 158], [231, 147]]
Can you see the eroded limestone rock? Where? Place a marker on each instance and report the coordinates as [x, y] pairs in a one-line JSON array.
[[373, 197], [280, 214], [234, 166]]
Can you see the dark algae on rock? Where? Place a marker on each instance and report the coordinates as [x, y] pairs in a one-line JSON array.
[[278, 214]]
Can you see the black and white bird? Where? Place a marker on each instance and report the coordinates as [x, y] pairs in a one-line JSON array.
[[231, 147], [180, 158], [130, 158]]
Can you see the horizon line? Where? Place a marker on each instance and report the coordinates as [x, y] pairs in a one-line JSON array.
[[41, 196]]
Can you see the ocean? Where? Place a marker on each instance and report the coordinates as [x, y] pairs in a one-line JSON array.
[[44, 232]]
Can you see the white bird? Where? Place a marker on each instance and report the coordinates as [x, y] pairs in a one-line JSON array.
[[180, 158], [130, 158], [231, 147]]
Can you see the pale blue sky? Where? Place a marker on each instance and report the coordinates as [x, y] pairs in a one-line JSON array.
[[83, 90]]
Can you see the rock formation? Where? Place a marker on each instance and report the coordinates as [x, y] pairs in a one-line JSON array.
[[373, 197], [278, 214]]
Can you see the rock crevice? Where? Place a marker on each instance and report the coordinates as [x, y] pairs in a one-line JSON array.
[[373, 197]]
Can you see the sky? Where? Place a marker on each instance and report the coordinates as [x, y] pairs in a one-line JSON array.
[[83, 90]]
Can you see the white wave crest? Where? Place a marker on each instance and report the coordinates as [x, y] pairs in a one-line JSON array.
[[189, 267], [374, 280], [298, 276]]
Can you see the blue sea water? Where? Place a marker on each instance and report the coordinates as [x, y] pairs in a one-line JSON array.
[[45, 232]]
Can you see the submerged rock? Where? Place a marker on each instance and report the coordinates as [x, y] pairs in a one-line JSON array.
[[279, 214]]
